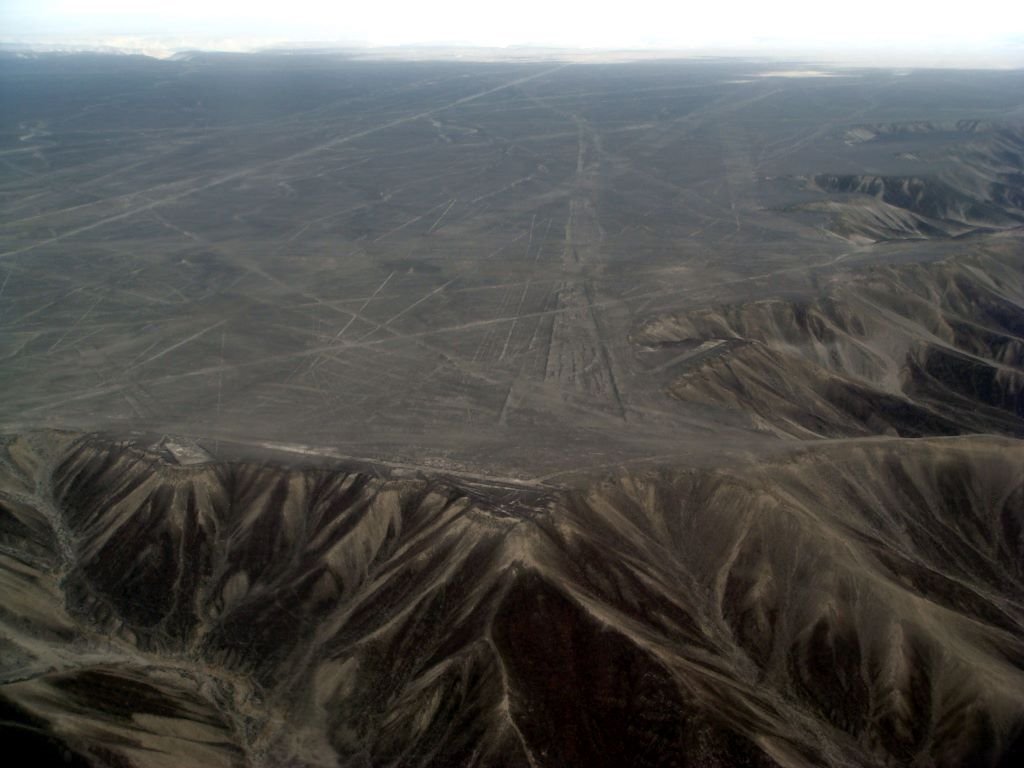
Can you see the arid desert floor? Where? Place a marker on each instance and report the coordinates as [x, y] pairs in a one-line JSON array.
[[535, 413]]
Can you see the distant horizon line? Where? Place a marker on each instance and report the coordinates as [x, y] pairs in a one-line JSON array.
[[1009, 56]]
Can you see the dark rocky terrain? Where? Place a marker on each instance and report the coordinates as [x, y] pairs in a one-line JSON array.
[[909, 350], [513, 413], [852, 605], [980, 187]]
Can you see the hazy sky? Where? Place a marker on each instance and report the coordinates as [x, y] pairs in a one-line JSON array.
[[913, 24]]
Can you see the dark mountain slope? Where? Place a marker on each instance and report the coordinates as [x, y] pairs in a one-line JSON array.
[[858, 605], [914, 349]]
